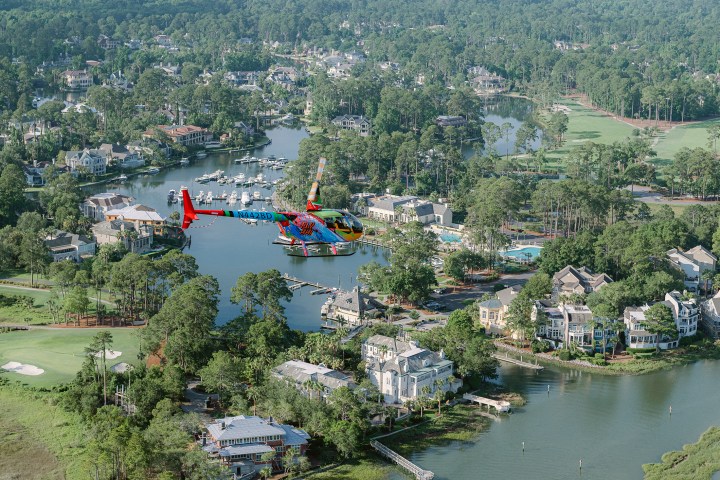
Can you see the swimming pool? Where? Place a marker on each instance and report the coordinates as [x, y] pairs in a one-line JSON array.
[[450, 237], [522, 253]]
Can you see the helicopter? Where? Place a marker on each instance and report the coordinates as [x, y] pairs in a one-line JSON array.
[[315, 226]]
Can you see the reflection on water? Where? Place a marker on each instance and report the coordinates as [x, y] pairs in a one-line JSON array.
[[227, 248]]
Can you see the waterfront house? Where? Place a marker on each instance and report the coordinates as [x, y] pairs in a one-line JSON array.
[[492, 313], [76, 79], [578, 324], [312, 380], [121, 231], [86, 162], [711, 315], [636, 336], [402, 370], [692, 263], [121, 155], [34, 174], [95, 206], [356, 123], [69, 246], [570, 323], [139, 215], [185, 135], [352, 307], [685, 312], [549, 321], [577, 281], [240, 442], [485, 82]]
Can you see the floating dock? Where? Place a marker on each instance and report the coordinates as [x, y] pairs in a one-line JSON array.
[[501, 406], [515, 361]]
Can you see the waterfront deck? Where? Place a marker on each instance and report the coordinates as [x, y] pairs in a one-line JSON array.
[[297, 283], [501, 406], [515, 361], [418, 472]]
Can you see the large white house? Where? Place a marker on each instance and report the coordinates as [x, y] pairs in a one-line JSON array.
[[92, 162], [407, 208], [69, 246], [692, 263], [685, 313], [711, 315], [97, 205], [312, 379], [401, 370]]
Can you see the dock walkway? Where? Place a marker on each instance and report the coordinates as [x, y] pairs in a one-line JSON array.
[[418, 472], [515, 361], [498, 405], [298, 283]]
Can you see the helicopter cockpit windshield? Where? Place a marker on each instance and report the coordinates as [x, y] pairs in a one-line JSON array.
[[347, 222]]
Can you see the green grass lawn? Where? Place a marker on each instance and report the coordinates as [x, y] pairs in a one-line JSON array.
[[40, 440], [691, 136], [59, 352]]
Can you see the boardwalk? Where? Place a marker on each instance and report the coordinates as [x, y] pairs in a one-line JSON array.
[[418, 472], [297, 283], [515, 361], [500, 406]]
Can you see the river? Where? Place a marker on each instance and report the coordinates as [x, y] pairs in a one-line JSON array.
[[229, 248]]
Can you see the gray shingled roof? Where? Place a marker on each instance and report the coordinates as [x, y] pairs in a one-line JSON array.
[[242, 426]]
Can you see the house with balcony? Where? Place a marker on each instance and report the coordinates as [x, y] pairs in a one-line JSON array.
[[570, 323], [185, 135], [685, 312], [141, 216], [77, 79], [710, 316], [95, 206], [356, 123], [314, 381], [403, 371], [69, 246], [352, 307], [450, 121], [121, 231], [492, 313], [693, 263], [240, 442], [577, 281], [122, 155], [407, 208], [86, 162]]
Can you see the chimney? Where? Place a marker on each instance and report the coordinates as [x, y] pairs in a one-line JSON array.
[[204, 439], [222, 425]]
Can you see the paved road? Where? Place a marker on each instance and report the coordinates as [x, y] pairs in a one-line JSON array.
[[453, 300]]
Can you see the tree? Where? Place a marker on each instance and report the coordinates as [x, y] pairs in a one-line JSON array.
[[659, 321], [77, 302], [519, 320], [34, 255], [222, 374], [100, 345], [12, 196]]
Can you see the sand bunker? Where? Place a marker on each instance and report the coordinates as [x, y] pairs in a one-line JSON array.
[[109, 354], [121, 367], [22, 368]]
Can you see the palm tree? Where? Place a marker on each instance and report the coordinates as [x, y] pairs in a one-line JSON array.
[[707, 276], [439, 393], [423, 399], [252, 394]]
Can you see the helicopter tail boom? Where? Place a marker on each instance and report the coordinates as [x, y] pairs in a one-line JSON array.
[[189, 213]]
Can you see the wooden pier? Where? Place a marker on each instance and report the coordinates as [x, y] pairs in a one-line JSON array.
[[297, 283], [515, 361], [372, 242], [418, 472], [501, 406]]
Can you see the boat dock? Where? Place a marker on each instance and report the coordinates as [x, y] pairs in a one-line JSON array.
[[515, 361], [297, 283], [500, 406], [418, 472]]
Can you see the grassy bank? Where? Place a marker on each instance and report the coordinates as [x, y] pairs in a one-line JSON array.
[[370, 467], [697, 461], [59, 351], [40, 440]]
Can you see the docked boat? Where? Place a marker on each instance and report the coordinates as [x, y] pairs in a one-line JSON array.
[[233, 197], [223, 196], [209, 197], [153, 171], [277, 166], [239, 179], [172, 196], [122, 178], [245, 198], [201, 154], [199, 197], [260, 178], [256, 195], [184, 161]]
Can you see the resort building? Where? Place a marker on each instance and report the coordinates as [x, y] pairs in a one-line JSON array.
[[96, 206], [69, 246], [577, 281], [140, 216], [240, 442], [407, 208], [693, 263], [402, 371], [314, 381], [185, 135]]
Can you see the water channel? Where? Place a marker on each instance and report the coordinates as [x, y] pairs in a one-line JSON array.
[[612, 424]]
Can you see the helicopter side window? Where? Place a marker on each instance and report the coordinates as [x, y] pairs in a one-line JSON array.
[[330, 222], [357, 226], [343, 223]]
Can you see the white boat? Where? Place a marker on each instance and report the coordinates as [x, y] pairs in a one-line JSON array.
[[202, 179], [233, 197], [256, 195], [185, 161], [209, 197], [122, 178], [172, 195], [201, 154], [260, 178], [277, 166], [238, 160], [245, 198], [153, 170], [223, 196], [239, 179], [199, 197], [213, 144]]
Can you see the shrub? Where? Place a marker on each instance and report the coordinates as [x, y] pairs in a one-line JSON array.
[[414, 315], [633, 351], [565, 355], [685, 341], [540, 346]]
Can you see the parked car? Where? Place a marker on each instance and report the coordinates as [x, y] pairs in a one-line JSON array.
[[440, 290]]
